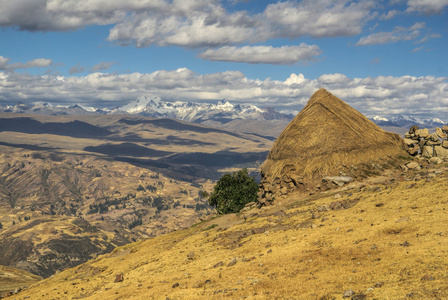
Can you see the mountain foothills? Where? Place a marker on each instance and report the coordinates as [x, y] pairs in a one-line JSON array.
[[344, 211], [74, 187]]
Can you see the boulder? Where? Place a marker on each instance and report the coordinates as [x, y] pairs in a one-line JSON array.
[[422, 143], [441, 152], [433, 137], [422, 133], [427, 151], [408, 135], [440, 133], [445, 129], [413, 129], [414, 151], [445, 144], [409, 142], [433, 143]]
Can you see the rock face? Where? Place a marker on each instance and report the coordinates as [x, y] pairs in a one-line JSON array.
[[324, 137]]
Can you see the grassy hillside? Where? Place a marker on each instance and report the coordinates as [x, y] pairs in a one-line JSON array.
[[383, 238]]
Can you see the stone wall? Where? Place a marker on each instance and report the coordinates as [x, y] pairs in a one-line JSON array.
[[428, 145]]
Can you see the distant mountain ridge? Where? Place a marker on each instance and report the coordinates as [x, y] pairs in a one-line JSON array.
[[407, 121], [221, 112]]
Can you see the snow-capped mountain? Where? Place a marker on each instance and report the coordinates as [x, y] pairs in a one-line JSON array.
[[220, 112], [407, 121]]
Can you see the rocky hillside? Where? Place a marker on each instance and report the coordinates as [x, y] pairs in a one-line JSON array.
[[381, 238]]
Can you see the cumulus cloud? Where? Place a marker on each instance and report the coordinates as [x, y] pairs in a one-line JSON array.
[[398, 34], [286, 55], [427, 7], [383, 95], [321, 18], [35, 63], [191, 24]]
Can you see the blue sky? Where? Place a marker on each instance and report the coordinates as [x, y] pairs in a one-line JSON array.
[[382, 57]]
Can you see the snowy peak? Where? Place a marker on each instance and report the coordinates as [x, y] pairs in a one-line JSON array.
[[222, 111], [380, 119], [407, 121]]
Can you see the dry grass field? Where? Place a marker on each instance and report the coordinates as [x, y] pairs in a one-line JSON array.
[[383, 238]]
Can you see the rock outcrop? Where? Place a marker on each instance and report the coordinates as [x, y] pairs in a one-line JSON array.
[[324, 139]]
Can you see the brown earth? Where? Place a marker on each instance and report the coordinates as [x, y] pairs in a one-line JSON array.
[[382, 238]]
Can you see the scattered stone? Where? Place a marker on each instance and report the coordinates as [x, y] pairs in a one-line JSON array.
[[339, 180], [232, 262], [190, 255], [217, 265], [403, 219], [315, 216], [436, 160], [405, 244], [119, 278], [175, 285], [348, 294], [358, 297], [337, 196], [379, 284], [413, 165], [323, 208], [427, 278]]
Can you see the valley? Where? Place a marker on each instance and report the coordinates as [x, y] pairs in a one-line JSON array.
[[105, 181]]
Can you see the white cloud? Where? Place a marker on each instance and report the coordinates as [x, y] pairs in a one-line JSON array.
[[427, 7], [321, 18], [390, 15], [396, 35], [35, 63], [189, 23], [383, 95], [264, 54]]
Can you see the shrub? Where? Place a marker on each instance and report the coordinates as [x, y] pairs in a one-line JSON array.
[[233, 191]]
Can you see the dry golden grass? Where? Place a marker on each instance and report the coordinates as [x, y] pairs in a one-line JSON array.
[[391, 244], [326, 137]]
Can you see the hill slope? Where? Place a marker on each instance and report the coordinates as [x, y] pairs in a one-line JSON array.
[[384, 238]]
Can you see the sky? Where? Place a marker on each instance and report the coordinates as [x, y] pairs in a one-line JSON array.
[[382, 57]]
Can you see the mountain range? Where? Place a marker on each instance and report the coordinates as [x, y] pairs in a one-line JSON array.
[[218, 113], [221, 112]]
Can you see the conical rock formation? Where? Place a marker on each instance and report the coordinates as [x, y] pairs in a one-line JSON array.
[[325, 138]]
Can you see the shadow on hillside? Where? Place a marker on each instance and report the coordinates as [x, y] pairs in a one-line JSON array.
[[178, 126], [126, 149], [75, 129], [190, 166], [169, 140]]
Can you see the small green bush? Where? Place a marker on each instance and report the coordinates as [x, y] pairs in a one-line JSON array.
[[233, 191]]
